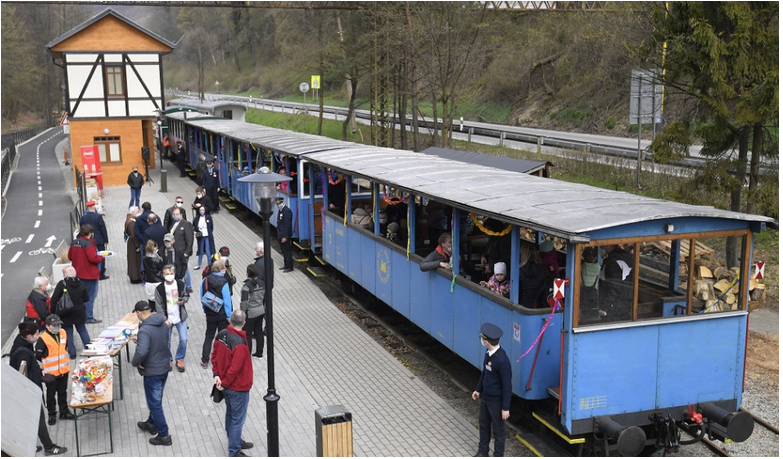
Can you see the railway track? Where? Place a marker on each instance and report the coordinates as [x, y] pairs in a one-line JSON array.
[[720, 451]]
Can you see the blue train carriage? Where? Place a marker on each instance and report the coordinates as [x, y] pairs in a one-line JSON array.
[[622, 360], [240, 148]]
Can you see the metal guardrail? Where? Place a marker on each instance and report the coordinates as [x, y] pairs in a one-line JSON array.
[[471, 128], [9, 143]]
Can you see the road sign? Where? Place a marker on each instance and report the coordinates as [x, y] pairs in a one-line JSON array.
[[315, 81], [304, 87], [646, 96]]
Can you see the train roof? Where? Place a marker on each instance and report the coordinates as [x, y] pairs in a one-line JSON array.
[[279, 140], [526, 166], [564, 209], [207, 105]]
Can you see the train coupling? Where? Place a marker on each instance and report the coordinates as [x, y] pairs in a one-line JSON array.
[[726, 426]]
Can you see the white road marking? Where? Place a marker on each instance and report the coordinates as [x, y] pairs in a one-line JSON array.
[[39, 188], [37, 223], [40, 195], [16, 257], [40, 212], [29, 238], [49, 240], [40, 203]]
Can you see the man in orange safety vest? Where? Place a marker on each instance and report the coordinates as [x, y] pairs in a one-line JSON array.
[[51, 351]]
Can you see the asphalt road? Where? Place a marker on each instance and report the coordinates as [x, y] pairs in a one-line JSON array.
[[37, 209]]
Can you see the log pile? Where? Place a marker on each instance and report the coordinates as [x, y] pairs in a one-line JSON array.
[[716, 287]]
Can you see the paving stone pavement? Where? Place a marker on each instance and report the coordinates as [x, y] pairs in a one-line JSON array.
[[322, 358]]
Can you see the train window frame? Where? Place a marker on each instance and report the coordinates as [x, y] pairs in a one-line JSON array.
[[114, 76], [105, 146], [687, 294]]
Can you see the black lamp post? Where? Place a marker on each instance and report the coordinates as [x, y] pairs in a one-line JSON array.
[[264, 185]]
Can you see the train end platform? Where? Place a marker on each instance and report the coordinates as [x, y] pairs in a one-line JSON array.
[[322, 358]]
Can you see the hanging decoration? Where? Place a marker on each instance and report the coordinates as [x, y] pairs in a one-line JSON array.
[[487, 231], [334, 182], [390, 202]]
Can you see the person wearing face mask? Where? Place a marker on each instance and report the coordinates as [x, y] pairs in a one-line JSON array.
[[85, 259], [440, 257], [494, 389], [216, 284], [204, 235], [51, 351], [153, 271], [22, 351], [74, 315], [168, 221], [135, 182], [284, 232], [211, 183], [183, 245], [202, 201], [170, 298], [39, 303]]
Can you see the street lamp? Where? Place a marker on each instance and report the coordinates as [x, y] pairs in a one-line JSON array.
[[264, 186]]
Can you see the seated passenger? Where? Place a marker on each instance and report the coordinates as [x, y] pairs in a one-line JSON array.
[[535, 278], [282, 186], [392, 231], [440, 257], [498, 283], [363, 216], [617, 284], [498, 248], [588, 291], [548, 255]]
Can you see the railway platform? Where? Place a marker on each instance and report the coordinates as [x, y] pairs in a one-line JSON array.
[[321, 358]]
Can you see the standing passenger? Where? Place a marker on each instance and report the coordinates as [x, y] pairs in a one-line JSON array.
[[494, 389], [101, 236], [152, 359], [252, 303], [204, 235], [85, 259], [51, 351], [133, 246], [135, 182], [284, 232], [76, 315], [22, 352], [211, 181], [216, 284], [233, 373]]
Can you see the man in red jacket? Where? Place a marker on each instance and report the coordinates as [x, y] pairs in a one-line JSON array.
[[86, 261], [233, 372]]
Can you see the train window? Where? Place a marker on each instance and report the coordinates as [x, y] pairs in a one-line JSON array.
[[667, 278], [717, 287]]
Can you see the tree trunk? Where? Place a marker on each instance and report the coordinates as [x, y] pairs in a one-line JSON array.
[[415, 109], [732, 242], [351, 101], [755, 154], [200, 73], [435, 129], [404, 105]]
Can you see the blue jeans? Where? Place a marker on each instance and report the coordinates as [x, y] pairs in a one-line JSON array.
[[153, 391], [491, 423], [204, 248], [71, 345], [92, 290], [236, 411], [135, 196], [182, 331], [187, 276]]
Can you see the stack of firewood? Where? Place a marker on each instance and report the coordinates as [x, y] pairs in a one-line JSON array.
[[717, 288]]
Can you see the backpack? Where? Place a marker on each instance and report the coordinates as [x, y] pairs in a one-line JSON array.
[[255, 299], [65, 305]]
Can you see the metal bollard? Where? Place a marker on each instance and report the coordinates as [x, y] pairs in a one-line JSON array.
[[163, 187]]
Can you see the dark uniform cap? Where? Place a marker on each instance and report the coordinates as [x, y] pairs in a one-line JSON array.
[[491, 331], [279, 199]]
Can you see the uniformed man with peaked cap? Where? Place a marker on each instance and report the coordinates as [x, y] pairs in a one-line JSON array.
[[494, 389]]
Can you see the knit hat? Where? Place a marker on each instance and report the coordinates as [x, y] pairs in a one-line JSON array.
[[500, 268], [547, 246]]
